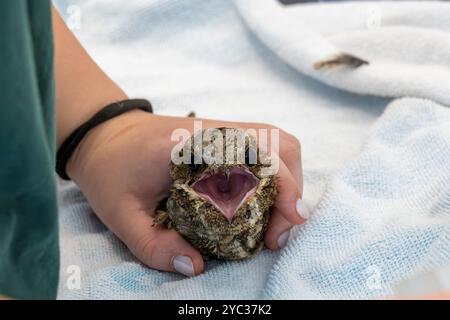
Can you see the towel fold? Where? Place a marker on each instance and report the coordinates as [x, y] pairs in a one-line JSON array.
[[407, 44], [384, 217]]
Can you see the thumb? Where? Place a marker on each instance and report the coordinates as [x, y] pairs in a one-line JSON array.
[[158, 247]]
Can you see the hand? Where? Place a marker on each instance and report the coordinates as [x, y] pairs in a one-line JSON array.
[[121, 167]]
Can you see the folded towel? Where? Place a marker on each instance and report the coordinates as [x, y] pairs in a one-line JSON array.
[[407, 44], [384, 217]]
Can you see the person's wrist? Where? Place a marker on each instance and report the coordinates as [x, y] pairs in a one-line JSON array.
[[93, 149]]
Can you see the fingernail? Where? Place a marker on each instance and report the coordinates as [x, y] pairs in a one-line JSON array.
[[283, 239], [183, 265], [302, 210]]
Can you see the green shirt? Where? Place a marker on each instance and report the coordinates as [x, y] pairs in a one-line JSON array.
[[29, 258]]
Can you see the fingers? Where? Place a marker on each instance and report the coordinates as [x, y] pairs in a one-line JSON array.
[[290, 154], [157, 247], [278, 231], [288, 202], [288, 210], [290, 187]]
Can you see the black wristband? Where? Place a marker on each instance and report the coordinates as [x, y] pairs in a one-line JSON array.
[[110, 111]]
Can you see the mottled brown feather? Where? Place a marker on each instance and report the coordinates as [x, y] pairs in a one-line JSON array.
[[342, 59]]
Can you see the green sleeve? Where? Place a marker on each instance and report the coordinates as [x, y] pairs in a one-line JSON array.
[[29, 258]]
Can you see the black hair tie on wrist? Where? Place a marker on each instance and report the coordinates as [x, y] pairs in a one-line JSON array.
[[110, 111]]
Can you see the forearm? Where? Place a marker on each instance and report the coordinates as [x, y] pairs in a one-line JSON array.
[[82, 88]]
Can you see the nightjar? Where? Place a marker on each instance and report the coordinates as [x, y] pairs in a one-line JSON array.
[[221, 197]]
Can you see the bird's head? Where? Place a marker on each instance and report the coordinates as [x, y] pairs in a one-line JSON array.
[[223, 167]]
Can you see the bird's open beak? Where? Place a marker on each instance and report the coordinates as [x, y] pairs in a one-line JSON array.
[[227, 189]]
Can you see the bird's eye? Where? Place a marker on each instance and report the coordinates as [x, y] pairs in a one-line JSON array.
[[250, 157], [193, 166]]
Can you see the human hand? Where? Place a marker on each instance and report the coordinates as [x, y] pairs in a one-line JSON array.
[[121, 167]]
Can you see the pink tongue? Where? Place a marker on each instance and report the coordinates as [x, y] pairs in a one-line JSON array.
[[227, 195]]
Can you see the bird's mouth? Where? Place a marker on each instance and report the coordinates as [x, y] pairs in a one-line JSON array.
[[226, 189]]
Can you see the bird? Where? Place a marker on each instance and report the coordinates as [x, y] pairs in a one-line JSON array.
[[221, 207]]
